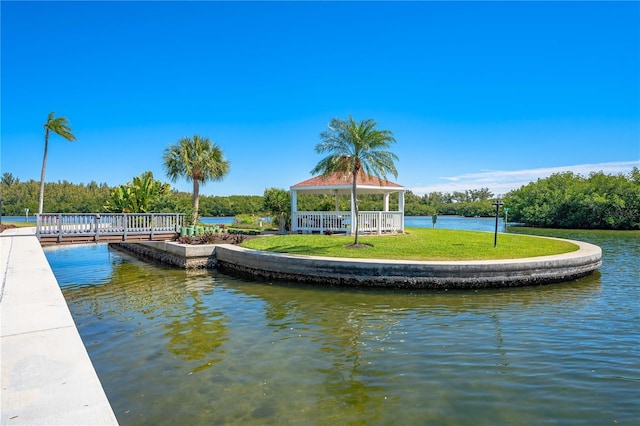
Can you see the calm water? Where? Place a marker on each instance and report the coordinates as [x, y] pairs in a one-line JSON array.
[[173, 347]]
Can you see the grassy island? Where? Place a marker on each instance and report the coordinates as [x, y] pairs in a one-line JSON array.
[[416, 244]]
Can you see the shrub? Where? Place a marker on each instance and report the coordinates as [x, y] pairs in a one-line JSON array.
[[211, 238]]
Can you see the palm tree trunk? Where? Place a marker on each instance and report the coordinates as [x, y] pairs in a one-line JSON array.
[[196, 200], [354, 195], [44, 166]]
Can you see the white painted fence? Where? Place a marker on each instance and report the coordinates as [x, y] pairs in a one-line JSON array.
[[320, 221], [380, 222], [95, 225]]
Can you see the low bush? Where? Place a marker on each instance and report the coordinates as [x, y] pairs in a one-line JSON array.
[[212, 238]]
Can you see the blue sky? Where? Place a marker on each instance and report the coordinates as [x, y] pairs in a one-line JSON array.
[[477, 94]]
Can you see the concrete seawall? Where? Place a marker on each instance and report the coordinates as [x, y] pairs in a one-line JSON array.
[[47, 376], [411, 274], [171, 253], [375, 272]]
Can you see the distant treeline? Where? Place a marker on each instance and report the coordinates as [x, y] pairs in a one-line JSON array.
[[568, 200], [563, 200], [67, 197]]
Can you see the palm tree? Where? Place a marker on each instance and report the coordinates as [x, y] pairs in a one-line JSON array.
[[278, 203], [59, 126], [198, 160], [356, 149]]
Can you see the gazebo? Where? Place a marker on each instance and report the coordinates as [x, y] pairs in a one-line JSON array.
[[372, 222]]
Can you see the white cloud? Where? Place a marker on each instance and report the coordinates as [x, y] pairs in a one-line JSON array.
[[500, 181]]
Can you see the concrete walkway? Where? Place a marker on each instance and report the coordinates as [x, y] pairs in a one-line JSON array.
[[47, 376]]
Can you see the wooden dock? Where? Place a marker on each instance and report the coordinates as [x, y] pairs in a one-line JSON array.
[[73, 228]]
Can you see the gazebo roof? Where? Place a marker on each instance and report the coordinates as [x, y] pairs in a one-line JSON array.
[[340, 184]]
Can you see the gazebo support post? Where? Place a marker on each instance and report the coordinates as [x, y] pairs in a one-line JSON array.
[[401, 209], [294, 211]]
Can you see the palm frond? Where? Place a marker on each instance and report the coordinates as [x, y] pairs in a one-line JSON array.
[[59, 126], [195, 158], [356, 148]]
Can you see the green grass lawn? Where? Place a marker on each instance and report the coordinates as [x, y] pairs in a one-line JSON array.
[[416, 244], [21, 224]]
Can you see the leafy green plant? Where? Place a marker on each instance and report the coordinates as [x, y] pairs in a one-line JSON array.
[[141, 195], [278, 203]]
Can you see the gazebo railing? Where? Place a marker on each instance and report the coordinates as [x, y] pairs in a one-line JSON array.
[[380, 222], [320, 221], [368, 222]]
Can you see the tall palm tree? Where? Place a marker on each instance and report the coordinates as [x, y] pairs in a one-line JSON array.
[[198, 160], [59, 126], [356, 149]]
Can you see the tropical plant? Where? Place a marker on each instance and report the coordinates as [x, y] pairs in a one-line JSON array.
[[60, 127], [197, 160], [278, 203], [356, 149], [142, 195]]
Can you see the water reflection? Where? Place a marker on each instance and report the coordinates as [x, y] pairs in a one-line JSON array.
[[194, 332], [198, 335]]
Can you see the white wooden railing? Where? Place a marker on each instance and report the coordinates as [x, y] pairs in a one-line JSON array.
[[95, 225], [320, 221], [368, 222], [380, 222]]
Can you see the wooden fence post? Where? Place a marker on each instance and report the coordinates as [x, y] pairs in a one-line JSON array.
[[59, 227], [96, 219]]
